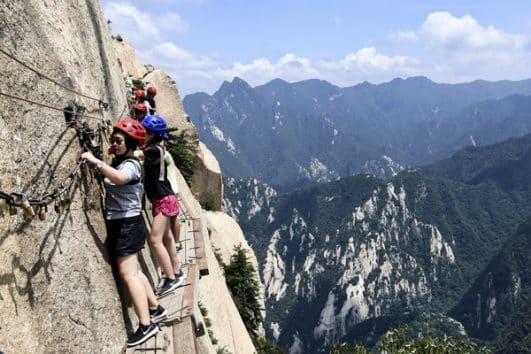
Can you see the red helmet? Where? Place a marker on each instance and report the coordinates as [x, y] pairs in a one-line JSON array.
[[141, 107], [133, 129], [152, 90], [140, 94]]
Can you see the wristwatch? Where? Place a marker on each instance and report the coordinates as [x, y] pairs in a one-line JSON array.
[[100, 164]]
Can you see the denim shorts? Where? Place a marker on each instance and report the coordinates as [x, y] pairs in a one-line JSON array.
[[125, 236], [168, 206]]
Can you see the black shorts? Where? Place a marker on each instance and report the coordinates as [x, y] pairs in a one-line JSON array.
[[125, 236]]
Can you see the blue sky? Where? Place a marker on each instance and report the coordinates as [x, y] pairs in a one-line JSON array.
[[201, 43]]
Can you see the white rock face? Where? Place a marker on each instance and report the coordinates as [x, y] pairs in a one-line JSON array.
[[297, 346], [274, 270], [227, 325], [256, 198], [127, 59], [206, 181], [318, 170], [169, 103], [373, 268]]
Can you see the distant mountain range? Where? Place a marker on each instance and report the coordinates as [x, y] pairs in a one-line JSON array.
[[445, 246], [293, 134]]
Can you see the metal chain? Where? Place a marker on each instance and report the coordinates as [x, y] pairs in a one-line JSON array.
[[86, 137], [45, 105]]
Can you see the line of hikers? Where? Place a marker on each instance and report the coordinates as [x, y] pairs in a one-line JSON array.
[[139, 165]]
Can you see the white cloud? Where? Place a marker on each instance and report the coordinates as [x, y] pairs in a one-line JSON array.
[[368, 60], [461, 49], [142, 28], [289, 67], [168, 54], [172, 22], [368, 64], [128, 20], [443, 30]]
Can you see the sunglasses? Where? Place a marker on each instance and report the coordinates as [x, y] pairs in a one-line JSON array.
[[117, 141]]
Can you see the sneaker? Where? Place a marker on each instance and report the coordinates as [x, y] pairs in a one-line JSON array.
[[179, 278], [158, 314], [167, 286], [142, 334]]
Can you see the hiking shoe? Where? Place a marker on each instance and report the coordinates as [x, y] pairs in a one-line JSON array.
[[142, 334], [158, 314], [168, 286]]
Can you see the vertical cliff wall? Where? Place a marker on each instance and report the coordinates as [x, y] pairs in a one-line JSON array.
[[57, 292], [226, 325]]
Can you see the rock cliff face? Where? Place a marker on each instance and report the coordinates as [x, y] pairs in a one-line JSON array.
[[57, 291], [224, 234], [206, 181]]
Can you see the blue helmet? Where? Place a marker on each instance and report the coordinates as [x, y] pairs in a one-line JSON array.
[[154, 124]]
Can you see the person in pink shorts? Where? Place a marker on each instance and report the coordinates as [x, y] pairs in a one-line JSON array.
[[165, 205]]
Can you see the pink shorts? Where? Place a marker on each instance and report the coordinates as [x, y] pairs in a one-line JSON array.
[[168, 206]]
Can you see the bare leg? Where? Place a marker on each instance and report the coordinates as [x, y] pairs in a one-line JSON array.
[[129, 273], [175, 226], [159, 228], [169, 243], [151, 298]]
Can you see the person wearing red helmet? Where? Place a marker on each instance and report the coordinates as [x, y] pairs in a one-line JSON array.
[[140, 111], [150, 97], [152, 90], [140, 97], [126, 234]]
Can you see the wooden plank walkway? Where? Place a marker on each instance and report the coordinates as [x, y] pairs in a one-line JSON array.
[[183, 324]]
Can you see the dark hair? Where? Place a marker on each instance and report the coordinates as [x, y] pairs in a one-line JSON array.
[[157, 138]]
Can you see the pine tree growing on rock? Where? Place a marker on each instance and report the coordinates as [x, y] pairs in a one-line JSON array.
[[241, 278]]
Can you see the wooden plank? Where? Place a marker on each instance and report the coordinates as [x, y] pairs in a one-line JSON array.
[[188, 296], [200, 254], [196, 313], [183, 337], [189, 251]]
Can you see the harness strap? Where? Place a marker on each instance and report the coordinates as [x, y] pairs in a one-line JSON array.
[[162, 172]]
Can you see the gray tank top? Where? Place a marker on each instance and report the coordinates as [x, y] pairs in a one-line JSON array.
[[123, 201]]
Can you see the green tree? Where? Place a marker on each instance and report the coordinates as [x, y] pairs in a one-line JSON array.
[[264, 346], [241, 278], [398, 341], [182, 148]]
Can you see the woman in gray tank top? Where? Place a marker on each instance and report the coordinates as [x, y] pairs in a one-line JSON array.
[[126, 234]]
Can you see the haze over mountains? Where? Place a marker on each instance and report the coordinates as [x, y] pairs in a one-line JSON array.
[[294, 134]]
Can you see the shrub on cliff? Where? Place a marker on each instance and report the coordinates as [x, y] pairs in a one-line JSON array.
[[182, 148]]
